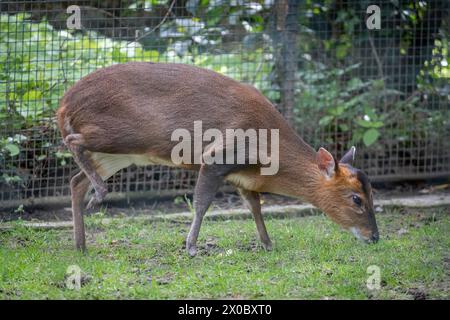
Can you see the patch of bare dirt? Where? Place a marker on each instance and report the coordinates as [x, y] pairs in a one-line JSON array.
[[253, 246], [414, 218], [417, 293]]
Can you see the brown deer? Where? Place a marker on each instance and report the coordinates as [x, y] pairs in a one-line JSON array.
[[126, 113]]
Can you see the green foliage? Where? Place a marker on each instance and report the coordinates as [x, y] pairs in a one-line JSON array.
[[336, 104], [334, 97], [10, 148], [38, 63], [370, 136], [341, 103], [36, 73], [350, 104], [435, 76]]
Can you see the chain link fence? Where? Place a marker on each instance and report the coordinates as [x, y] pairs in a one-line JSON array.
[[338, 77]]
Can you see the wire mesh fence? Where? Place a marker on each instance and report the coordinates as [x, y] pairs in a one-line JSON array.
[[337, 79]]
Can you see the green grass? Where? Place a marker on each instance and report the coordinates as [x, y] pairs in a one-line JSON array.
[[312, 259]]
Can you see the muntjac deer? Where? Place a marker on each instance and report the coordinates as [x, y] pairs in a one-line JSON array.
[[126, 114]]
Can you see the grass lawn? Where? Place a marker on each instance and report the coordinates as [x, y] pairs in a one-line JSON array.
[[312, 259]]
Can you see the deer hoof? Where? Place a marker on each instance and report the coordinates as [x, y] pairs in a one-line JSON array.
[[192, 250], [267, 246]]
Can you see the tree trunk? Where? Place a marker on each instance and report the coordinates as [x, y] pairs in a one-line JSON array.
[[285, 34]]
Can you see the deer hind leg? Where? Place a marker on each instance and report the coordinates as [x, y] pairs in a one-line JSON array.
[[79, 186], [106, 165], [252, 201], [75, 143]]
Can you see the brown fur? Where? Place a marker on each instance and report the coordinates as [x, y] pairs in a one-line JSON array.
[[133, 108]]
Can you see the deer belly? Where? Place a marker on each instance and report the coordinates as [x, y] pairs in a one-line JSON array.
[[245, 181], [107, 164]]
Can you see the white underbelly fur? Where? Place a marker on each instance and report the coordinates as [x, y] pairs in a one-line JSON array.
[[108, 164], [242, 181]]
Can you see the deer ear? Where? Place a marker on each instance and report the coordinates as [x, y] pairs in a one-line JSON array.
[[349, 157], [325, 162]]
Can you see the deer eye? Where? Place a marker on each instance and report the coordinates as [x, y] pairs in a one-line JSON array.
[[357, 200]]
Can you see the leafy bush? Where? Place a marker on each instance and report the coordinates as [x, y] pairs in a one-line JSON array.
[[38, 63], [340, 101], [336, 102]]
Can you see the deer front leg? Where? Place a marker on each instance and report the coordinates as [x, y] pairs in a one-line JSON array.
[[79, 185], [209, 180], [252, 201]]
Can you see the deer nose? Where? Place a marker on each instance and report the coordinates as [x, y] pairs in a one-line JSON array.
[[375, 237]]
